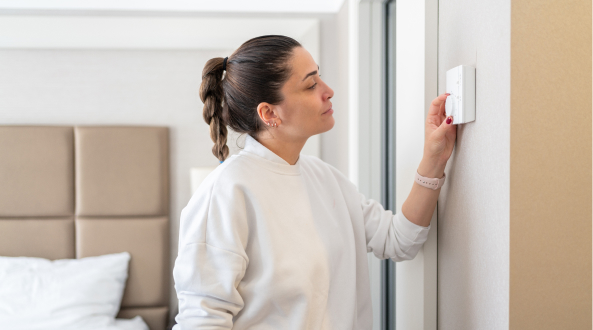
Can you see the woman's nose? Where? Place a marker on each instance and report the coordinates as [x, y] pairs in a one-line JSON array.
[[330, 93]]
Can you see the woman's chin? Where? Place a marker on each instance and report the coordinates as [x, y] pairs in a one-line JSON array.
[[328, 124]]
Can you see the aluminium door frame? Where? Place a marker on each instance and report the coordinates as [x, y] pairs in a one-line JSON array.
[[372, 113]]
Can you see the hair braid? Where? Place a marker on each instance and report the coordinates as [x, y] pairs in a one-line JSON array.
[[255, 73], [212, 95]]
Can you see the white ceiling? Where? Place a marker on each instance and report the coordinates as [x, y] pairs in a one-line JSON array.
[[157, 24], [125, 32], [172, 6]]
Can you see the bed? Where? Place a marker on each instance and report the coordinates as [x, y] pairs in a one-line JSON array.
[[75, 192]]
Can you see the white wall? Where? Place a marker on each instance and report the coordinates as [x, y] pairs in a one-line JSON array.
[[473, 207], [334, 71]]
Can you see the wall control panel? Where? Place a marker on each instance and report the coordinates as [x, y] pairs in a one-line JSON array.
[[461, 104]]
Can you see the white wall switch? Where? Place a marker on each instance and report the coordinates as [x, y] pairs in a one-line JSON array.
[[461, 104]]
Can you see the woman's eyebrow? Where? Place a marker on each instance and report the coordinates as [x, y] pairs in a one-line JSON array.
[[311, 73]]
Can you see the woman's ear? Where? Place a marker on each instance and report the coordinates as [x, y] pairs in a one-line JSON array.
[[266, 112]]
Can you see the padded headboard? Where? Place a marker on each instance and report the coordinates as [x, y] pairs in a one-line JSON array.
[[72, 192]]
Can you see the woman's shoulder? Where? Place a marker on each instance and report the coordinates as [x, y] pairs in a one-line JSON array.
[[316, 164], [325, 170], [214, 204], [228, 173], [312, 161], [221, 186]]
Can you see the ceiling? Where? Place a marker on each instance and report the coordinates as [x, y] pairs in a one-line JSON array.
[[123, 32], [151, 24], [169, 6]]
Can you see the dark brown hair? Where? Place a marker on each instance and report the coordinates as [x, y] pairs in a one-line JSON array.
[[255, 73]]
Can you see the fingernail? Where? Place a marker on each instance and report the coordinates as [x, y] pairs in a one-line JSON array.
[[447, 94], [449, 120]]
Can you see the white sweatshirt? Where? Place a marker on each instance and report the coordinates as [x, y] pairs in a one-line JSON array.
[[268, 245]]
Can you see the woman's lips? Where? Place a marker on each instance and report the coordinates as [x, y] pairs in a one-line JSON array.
[[329, 111]]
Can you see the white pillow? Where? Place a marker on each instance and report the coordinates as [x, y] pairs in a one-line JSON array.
[[85, 293]]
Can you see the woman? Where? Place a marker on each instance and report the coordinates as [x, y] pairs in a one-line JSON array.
[[273, 239]]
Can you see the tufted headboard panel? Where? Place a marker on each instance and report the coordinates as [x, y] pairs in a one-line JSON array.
[[72, 192]]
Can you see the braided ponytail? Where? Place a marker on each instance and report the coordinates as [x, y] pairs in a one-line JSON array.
[[255, 73], [212, 95]]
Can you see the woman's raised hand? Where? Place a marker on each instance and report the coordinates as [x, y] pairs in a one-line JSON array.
[[440, 133]]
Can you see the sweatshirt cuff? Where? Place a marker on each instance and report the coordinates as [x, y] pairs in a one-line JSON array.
[[412, 231]]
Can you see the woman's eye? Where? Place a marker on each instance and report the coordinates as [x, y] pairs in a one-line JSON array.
[[313, 87]]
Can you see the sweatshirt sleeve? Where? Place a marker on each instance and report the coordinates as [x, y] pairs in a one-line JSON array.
[[391, 235], [211, 259], [388, 235]]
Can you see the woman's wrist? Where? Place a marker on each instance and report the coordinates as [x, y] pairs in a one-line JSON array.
[[431, 168]]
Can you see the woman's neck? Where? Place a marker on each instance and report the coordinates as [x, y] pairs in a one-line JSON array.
[[289, 150]]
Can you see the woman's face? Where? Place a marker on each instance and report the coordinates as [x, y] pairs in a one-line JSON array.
[[306, 109]]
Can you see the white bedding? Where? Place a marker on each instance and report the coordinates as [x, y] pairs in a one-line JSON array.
[[81, 294]]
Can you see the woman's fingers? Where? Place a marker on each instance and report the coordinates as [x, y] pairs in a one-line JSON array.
[[437, 105], [443, 129], [435, 120]]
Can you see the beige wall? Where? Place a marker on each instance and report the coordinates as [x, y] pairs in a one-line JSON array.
[[514, 233], [550, 213]]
